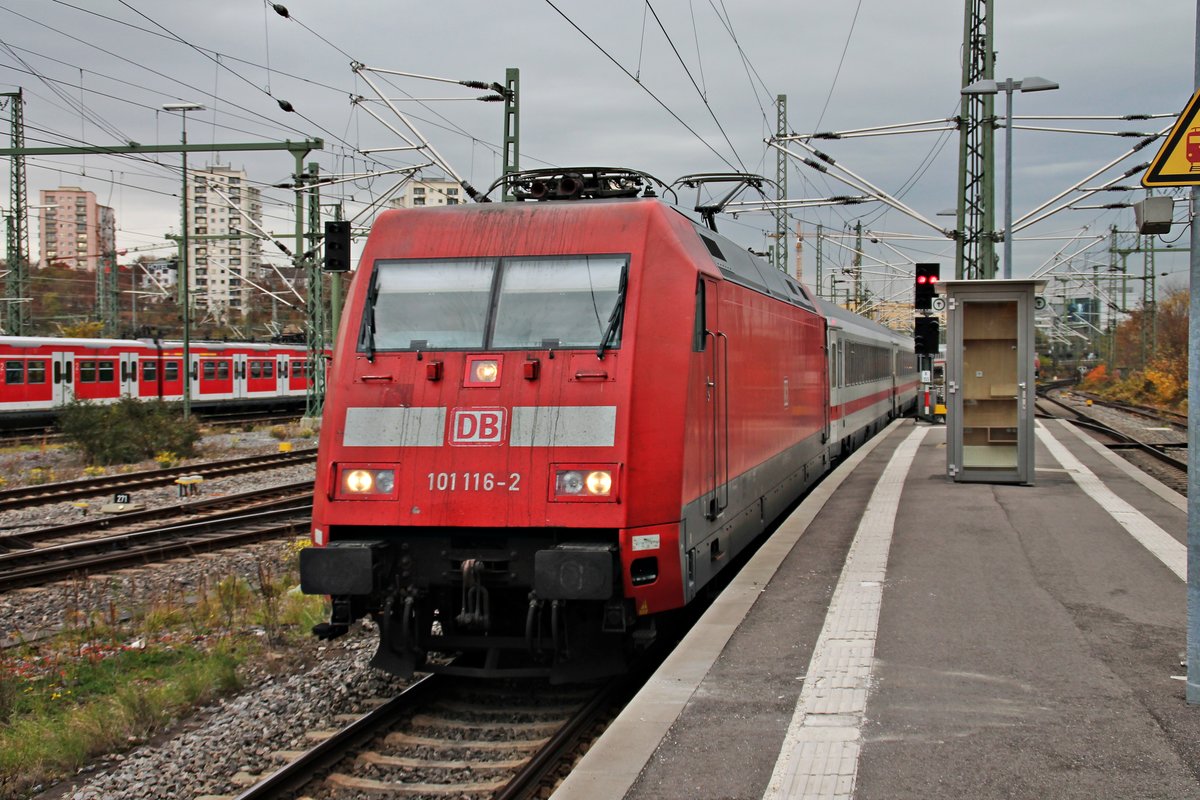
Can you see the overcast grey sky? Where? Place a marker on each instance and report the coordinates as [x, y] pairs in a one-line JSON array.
[[843, 64]]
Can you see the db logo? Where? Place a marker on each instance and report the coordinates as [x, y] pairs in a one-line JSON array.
[[477, 426]]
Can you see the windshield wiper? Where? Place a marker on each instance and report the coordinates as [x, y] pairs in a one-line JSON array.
[[614, 319], [367, 338]]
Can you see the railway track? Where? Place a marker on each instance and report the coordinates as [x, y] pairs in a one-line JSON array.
[[27, 539], [1164, 453], [1160, 415], [36, 566], [25, 496], [447, 737]]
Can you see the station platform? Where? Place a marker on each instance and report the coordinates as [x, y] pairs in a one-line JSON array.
[[903, 636]]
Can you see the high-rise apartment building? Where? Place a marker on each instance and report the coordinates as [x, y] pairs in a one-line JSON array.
[[224, 251], [75, 229], [429, 192]]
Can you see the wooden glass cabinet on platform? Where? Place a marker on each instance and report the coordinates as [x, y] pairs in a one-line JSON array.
[[990, 380]]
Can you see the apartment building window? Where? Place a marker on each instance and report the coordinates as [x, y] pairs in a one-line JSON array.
[[418, 201], [201, 231], [418, 190], [452, 192]]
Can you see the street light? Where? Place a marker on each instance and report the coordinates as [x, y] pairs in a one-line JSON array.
[[1008, 86], [183, 108]]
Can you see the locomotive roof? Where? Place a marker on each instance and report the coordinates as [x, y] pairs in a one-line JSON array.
[[742, 267]]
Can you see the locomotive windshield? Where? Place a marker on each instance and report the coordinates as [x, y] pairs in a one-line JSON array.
[[558, 302]]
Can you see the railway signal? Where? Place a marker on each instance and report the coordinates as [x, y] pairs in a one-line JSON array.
[[925, 335], [925, 286], [337, 246]]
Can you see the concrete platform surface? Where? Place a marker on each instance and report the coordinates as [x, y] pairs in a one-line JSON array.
[[904, 636]]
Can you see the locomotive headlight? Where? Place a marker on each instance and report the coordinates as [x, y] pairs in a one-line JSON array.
[[369, 481], [485, 371], [568, 482], [584, 483], [359, 481], [598, 482]]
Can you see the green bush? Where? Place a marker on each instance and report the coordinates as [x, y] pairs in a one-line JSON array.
[[128, 430]]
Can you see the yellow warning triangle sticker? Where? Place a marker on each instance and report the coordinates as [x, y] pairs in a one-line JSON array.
[[1178, 160]]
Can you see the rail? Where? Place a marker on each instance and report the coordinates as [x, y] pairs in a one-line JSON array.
[[25, 496]]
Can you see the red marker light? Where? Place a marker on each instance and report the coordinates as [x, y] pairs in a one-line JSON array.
[[922, 279]]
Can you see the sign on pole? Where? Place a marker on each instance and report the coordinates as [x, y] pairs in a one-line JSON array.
[[1178, 160]]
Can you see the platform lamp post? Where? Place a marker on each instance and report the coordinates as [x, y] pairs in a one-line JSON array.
[[183, 108], [1008, 86]]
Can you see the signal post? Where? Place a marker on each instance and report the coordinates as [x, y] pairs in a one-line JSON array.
[[926, 334]]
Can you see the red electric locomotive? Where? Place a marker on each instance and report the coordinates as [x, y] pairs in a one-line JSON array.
[[552, 422]]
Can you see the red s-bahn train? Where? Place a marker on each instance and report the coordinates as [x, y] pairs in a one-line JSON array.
[[551, 423], [40, 374]]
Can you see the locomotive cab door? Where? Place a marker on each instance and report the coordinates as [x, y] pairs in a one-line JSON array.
[[715, 421]]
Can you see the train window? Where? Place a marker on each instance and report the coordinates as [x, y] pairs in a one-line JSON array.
[[149, 371], [428, 304], [209, 370], [255, 369], [170, 370], [87, 371], [571, 299], [14, 372], [299, 369], [268, 369], [223, 370], [36, 372], [106, 371], [699, 329]]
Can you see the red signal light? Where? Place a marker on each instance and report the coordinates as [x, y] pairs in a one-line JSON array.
[[922, 279]]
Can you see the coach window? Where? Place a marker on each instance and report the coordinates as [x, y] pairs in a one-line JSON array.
[[36, 372], [428, 305], [571, 301], [268, 369], [14, 372], [170, 370], [255, 369], [87, 371], [106, 371], [223, 370], [149, 371], [209, 370]]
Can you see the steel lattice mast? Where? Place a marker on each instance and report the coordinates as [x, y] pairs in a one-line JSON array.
[[17, 284], [975, 250], [779, 253]]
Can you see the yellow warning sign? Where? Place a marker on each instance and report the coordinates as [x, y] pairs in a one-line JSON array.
[[1178, 160]]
